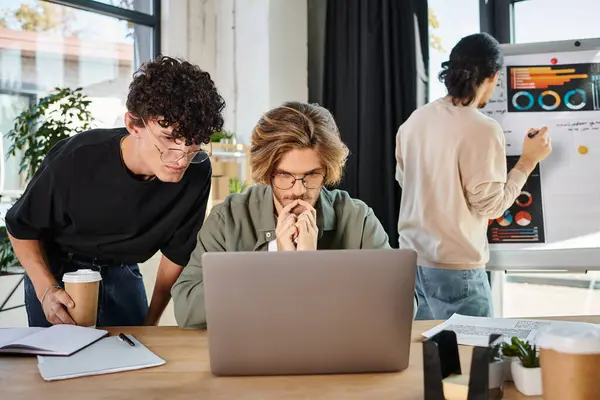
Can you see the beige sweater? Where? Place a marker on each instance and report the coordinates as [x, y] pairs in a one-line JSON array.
[[452, 170]]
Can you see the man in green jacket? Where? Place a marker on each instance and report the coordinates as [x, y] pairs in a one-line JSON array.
[[296, 151]]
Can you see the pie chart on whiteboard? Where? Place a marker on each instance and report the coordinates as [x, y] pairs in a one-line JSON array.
[[506, 219], [523, 218]]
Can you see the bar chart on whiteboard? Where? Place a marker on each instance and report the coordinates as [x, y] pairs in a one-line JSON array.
[[558, 207], [573, 87]]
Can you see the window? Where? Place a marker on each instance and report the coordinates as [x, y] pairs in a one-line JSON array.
[[444, 32], [551, 20], [93, 45], [552, 294]]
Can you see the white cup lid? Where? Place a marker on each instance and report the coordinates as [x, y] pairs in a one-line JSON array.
[[82, 276], [574, 338]]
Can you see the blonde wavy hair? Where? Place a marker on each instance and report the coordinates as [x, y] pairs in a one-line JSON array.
[[296, 125]]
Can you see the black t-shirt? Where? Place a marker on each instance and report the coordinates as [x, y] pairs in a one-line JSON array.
[[84, 200]]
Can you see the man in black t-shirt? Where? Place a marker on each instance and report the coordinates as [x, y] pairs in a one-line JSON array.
[[108, 199]]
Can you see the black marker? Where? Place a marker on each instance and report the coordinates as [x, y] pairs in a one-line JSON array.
[[532, 134], [124, 338]]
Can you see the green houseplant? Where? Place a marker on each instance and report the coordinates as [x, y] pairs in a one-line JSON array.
[[526, 371], [510, 353], [236, 185], [35, 131], [221, 136], [55, 117]]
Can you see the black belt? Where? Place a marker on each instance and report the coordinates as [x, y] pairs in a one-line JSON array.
[[98, 261]]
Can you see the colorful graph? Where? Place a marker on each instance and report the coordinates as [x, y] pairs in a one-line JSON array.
[[515, 235], [506, 219], [523, 222], [542, 77], [523, 218], [554, 88]]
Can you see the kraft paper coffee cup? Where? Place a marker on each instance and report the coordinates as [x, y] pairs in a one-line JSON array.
[[570, 361], [83, 287]]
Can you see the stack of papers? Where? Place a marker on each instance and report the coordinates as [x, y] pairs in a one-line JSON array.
[[106, 356], [475, 331], [70, 351]]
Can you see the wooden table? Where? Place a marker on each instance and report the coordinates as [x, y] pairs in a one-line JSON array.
[[186, 374]]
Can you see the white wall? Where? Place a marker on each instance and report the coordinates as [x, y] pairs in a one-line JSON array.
[[255, 50], [288, 56]]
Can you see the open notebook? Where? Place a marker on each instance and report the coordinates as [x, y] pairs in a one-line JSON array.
[[58, 340], [106, 356]]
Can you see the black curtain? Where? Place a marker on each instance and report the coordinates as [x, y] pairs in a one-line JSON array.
[[375, 75]]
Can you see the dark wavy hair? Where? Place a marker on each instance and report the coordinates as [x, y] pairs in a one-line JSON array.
[[178, 94], [473, 59]]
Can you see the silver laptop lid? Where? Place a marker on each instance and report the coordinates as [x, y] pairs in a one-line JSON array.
[[326, 311]]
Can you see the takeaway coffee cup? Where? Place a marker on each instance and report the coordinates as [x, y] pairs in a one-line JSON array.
[[83, 286], [570, 361]]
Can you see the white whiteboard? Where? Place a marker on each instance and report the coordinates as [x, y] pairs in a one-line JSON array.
[[570, 176]]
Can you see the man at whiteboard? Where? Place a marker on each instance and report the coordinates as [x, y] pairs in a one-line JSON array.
[[451, 165]]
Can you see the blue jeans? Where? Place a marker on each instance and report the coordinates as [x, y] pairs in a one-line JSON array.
[[122, 297], [443, 292]]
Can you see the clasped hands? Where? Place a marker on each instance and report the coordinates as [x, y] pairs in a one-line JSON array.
[[297, 232]]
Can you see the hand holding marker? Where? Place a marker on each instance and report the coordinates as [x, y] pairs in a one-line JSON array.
[[536, 147]]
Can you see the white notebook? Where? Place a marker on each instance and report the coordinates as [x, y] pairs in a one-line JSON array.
[[58, 340], [106, 356]]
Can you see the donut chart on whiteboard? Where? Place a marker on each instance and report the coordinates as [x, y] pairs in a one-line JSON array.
[[572, 106], [524, 199], [530, 99], [552, 94]]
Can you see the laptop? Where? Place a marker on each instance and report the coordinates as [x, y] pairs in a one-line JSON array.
[[309, 312]]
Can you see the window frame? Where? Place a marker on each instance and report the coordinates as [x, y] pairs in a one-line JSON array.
[[136, 17]]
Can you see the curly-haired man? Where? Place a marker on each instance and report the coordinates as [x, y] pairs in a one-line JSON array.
[[108, 199]]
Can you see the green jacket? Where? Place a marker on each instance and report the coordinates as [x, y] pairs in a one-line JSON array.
[[246, 222]]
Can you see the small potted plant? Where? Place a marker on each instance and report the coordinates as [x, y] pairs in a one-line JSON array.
[[526, 371], [510, 353], [496, 373], [236, 185]]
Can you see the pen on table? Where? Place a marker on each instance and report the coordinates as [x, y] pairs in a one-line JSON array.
[[124, 338]]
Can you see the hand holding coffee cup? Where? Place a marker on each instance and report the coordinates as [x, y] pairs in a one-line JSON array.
[[570, 361], [54, 303], [83, 286]]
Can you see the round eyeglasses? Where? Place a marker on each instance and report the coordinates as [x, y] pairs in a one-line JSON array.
[[285, 181], [172, 156]]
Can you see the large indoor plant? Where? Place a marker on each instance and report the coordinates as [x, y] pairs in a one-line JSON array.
[[35, 131]]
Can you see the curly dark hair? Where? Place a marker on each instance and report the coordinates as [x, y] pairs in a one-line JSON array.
[[178, 94], [473, 59]]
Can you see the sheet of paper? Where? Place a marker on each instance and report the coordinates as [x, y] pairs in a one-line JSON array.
[[9, 335], [475, 331]]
